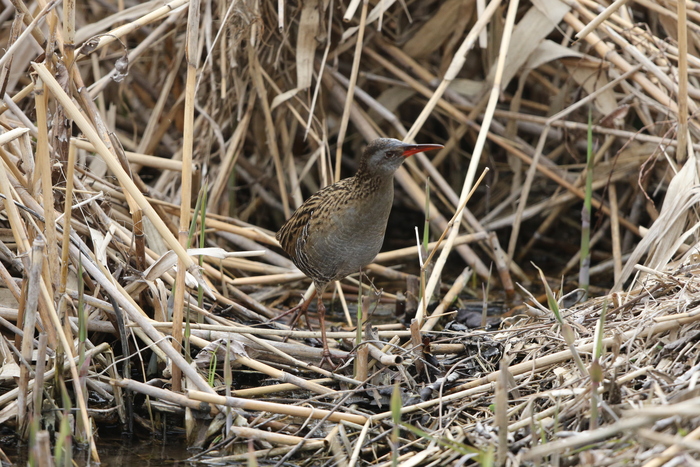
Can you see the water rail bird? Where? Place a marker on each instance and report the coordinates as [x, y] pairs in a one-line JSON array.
[[340, 229]]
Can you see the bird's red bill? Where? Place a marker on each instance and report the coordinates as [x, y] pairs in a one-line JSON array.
[[411, 149]]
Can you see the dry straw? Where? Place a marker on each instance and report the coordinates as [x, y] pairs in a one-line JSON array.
[[264, 102]]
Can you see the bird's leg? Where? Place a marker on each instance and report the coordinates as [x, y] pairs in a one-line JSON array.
[[301, 309], [298, 310], [322, 318]]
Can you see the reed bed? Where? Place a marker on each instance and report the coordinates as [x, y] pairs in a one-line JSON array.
[[150, 150]]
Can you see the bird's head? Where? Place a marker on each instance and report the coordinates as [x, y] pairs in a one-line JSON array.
[[383, 156]]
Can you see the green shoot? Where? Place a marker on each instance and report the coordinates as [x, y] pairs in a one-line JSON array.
[[567, 331], [461, 448], [395, 404], [200, 209], [212, 367]]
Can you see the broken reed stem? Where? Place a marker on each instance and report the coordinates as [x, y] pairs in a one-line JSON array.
[[24, 92], [16, 225], [69, 31], [137, 158], [309, 445], [605, 14], [359, 442], [272, 407], [67, 215], [43, 169], [251, 393], [616, 238], [382, 357], [283, 376], [501, 409], [11, 135]]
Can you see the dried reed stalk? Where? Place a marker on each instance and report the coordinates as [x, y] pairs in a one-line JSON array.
[[265, 137], [303, 412]]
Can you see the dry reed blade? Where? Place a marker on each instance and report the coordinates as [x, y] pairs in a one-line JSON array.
[[417, 68]]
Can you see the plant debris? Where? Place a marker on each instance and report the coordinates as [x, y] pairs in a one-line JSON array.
[[149, 152]]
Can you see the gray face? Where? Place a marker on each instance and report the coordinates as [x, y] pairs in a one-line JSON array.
[[384, 156]]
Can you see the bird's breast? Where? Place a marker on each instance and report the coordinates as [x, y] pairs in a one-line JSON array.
[[348, 234]]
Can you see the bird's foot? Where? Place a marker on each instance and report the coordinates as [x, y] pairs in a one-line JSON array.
[[326, 358], [297, 311]]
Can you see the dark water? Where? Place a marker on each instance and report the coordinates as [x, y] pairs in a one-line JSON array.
[[144, 453], [117, 452]]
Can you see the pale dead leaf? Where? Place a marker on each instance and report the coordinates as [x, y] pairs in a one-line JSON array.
[[99, 245], [547, 51], [591, 80], [7, 299], [153, 238], [309, 24], [466, 87], [532, 29], [681, 199], [283, 97], [393, 97], [162, 265], [679, 190]]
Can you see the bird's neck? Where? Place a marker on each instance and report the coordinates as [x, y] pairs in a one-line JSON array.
[[371, 183]]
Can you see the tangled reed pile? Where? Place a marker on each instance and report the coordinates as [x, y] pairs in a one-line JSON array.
[[132, 131]]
